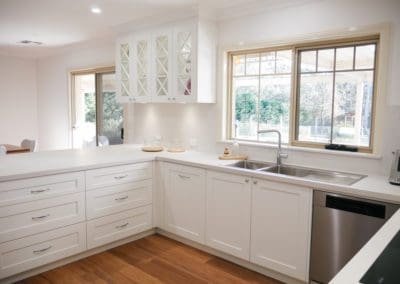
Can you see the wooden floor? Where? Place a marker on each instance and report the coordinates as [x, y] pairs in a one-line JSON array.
[[154, 259]]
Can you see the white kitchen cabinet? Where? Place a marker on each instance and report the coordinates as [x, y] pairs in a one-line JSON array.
[[142, 67], [123, 69], [184, 201], [172, 63], [280, 227], [228, 213], [162, 65]]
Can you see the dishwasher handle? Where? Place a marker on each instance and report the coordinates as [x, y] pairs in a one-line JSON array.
[[356, 206]]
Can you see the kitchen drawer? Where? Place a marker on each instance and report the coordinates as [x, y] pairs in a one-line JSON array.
[[111, 228], [36, 250], [118, 175], [29, 218], [110, 200], [25, 190]]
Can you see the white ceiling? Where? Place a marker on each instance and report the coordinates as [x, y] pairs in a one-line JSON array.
[[61, 23]]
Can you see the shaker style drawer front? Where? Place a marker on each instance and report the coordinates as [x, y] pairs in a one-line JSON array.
[[21, 220], [110, 200], [118, 175], [36, 250], [25, 190], [118, 226]]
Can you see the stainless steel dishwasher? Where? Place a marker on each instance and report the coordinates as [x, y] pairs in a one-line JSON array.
[[341, 226]]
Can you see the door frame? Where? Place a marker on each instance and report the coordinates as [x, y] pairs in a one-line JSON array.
[[97, 71]]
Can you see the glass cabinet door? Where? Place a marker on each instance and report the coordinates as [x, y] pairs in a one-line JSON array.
[[142, 68], [162, 51], [183, 63], [124, 70]]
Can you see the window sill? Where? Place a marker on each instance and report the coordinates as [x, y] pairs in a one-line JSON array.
[[304, 149]]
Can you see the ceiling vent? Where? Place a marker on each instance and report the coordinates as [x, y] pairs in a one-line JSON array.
[[31, 42]]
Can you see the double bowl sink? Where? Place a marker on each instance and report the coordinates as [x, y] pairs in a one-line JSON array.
[[300, 172]]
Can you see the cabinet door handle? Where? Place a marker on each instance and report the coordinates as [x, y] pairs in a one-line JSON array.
[[255, 182], [42, 250], [247, 180], [183, 176], [121, 198], [122, 226], [39, 190], [40, 217], [120, 177]]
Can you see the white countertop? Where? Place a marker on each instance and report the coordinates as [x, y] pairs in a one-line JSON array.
[[374, 187], [28, 165]]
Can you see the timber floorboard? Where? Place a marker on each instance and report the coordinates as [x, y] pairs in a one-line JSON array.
[[153, 259]]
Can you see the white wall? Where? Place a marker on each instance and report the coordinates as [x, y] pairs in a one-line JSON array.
[[18, 111], [53, 90]]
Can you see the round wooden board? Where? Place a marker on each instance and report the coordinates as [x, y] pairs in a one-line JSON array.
[[152, 149], [176, 150]]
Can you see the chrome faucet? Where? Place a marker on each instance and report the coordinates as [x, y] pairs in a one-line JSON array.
[[279, 154]]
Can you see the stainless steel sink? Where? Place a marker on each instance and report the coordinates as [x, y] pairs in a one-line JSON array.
[[251, 165], [315, 175]]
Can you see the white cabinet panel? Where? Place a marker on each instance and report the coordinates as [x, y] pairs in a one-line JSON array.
[[228, 213], [24, 219], [25, 190], [36, 250], [118, 175], [280, 228], [117, 198], [114, 227], [184, 201]]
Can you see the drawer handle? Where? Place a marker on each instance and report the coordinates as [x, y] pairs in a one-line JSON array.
[[42, 250], [122, 226], [39, 190], [40, 217], [183, 176], [121, 198], [120, 177]]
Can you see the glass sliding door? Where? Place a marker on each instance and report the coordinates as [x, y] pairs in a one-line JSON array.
[[97, 117]]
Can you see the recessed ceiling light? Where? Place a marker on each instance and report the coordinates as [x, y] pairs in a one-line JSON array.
[[95, 10], [352, 29]]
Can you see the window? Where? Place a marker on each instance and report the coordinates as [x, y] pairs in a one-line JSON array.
[[261, 86], [97, 118], [324, 96]]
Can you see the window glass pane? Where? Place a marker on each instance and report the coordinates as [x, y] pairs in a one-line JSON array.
[[252, 64], [245, 93], [268, 63], [344, 58], [238, 65], [325, 59], [283, 61], [308, 61], [315, 107], [365, 56], [275, 106], [353, 107]]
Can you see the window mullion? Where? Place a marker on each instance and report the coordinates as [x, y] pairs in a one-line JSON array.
[[258, 96], [333, 95]]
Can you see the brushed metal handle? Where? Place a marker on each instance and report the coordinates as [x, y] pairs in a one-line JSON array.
[[121, 198], [121, 226], [246, 180], [40, 217], [39, 190], [42, 250], [120, 177], [183, 176]]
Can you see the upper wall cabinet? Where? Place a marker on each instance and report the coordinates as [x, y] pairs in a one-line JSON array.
[[175, 63], [123, 70]]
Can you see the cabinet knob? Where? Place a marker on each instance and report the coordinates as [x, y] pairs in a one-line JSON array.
[[255, 182], [173, 99], [246, 180]]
